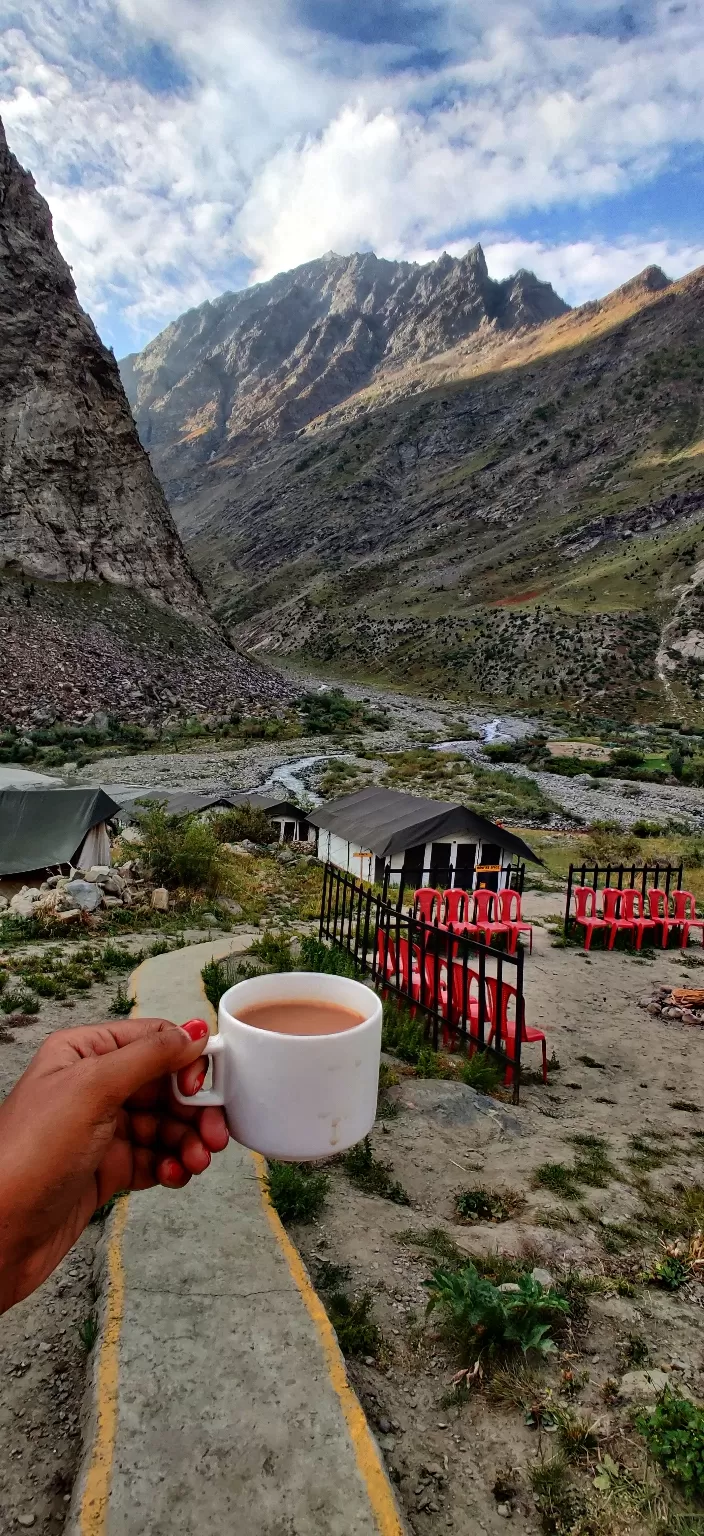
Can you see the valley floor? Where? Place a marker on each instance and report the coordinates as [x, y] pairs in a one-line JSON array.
[[298, 765]]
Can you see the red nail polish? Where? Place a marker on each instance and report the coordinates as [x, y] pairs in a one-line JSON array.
[[196, 1029], [200, 1081], [172, 1169]]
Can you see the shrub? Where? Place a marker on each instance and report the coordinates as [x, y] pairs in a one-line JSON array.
[[274, 950], [121, 1005], [484, 1320], [182, 851], [243, 821], [324, 713], [296, 1191], [401, 1033], [357, 1333], [328, 958], [484, 1205], [674, 1433], [215, 981], [371, 1175], [627, 757], [19, 1001], [481, 1072]]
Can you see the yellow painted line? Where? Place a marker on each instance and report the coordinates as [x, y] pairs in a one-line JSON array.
[[363, 1442], [94, 1504]]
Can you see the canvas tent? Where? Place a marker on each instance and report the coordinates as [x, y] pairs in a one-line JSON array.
[[422, 842], [40, 828], [288, 818]]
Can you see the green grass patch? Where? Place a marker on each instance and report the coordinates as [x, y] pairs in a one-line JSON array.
[[297, 1192]]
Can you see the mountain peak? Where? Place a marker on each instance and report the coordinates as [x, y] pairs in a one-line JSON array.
[[269, 359]]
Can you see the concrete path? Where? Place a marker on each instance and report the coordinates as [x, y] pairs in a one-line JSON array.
[[219, 1400]]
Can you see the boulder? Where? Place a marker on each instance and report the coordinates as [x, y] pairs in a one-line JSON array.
[[643, 1386], [451, 1104], [160, 899], [84, 894], [97, 873], [24, 902], [4, 903]]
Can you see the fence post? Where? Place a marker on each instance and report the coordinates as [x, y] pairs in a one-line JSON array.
[[367, 916], [326, 875], [520, 1013], [569, 900], [385, 889]]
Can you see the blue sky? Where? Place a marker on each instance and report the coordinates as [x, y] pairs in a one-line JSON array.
[[189, 146]]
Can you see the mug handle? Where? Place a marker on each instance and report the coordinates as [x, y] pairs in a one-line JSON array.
[[206, 1098]]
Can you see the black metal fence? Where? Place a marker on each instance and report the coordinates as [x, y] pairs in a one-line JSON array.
[[450, 877], [469, 995], [623, 877]]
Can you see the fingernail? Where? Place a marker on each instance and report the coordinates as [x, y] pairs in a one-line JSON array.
[[196, 1029], [200, 1081], [172, 1169]]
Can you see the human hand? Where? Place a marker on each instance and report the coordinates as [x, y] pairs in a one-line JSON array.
[[93, 1115]]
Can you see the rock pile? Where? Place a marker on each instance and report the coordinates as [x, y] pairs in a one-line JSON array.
[[683, 1005], [64, 898]]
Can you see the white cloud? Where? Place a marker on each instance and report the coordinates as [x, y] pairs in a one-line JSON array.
[[286, 141]]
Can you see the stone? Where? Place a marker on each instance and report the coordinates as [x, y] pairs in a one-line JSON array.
[[674, 1013], [160, 899], [644, 1002], [84, 895], [542, 1277], [688, 1017], [384, 1426], [509, 1288], [655, 1009], [4, 903], [24, 902], [453, 1104], [643, 1386], [505, 1510], [387, 1443], [96, 873], [112, 901], [26, 1520]]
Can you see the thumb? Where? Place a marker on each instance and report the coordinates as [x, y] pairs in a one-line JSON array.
[[156, 1053]]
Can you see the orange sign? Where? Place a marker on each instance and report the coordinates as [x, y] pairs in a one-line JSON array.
[[488, 869]]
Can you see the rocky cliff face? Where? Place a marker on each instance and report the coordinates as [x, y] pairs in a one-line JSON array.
[[78, 499], [255, 366], [80, 505]]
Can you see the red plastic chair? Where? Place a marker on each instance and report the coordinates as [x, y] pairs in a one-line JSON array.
[[685, 911], [461, 1006], [659, 910], [508, 1026], [585, 912], [632, 910], [510, 913], [424, 901], [456, 903], [483, 920], [611, 900], [385, 954], [409, 974]]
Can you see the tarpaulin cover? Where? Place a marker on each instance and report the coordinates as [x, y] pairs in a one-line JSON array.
[[178, 801], [40, 827], [388, 821]]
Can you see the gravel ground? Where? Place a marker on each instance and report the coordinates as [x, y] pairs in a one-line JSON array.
[[294, 764]]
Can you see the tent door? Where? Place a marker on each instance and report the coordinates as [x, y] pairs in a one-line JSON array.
[[440, 865], [464, 865]]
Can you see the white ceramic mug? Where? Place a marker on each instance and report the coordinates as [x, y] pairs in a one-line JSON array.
[[294, 1097]]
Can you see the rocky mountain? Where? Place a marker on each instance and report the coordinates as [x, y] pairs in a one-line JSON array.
[[254, 366], [81, 506], [517, 518]]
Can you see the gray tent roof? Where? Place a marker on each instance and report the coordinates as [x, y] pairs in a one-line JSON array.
[[387, 821], [181, 800], [39, 827]]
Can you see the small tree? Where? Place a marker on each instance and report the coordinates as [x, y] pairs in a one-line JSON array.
[[181, 850]]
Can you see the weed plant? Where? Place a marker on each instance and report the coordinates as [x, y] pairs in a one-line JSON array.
[[368, 1173], [674, 1434], [297, 1192], [485, 1322], [357, 1333]]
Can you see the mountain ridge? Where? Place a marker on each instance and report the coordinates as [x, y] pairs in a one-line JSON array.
[[82, 511], [263, 362]]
